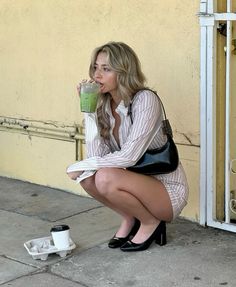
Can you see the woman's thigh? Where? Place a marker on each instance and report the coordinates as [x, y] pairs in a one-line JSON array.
[[148, 190]]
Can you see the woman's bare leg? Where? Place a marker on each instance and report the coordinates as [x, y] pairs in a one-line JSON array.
[[137, 195], [88, 185]]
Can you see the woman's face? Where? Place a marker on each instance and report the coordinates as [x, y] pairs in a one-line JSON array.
[[103, 75]]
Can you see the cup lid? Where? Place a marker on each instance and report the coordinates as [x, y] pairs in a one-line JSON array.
[[58, 228]]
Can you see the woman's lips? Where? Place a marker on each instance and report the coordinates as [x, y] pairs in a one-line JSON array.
[[101, 87]]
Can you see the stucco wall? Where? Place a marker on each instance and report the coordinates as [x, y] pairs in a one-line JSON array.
[[45, 49]]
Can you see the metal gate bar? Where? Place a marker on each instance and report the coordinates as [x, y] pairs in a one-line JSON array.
[[227, 115], [208, 20]]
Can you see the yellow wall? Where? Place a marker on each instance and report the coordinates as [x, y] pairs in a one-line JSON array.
[[45, 49]]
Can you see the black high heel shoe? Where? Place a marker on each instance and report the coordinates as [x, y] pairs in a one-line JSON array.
[[159, 236], [116, 242]]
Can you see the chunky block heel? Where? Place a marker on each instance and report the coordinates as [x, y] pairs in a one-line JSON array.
[[161, 236]]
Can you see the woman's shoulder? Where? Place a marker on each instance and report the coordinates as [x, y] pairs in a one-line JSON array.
[[146, 96]]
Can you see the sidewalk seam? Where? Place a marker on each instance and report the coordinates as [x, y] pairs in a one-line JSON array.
[[48, 220], [18, 261]]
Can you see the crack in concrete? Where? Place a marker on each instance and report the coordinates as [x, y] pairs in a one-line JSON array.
[[25, 275], [18, 261], [85, 211], [48, 220]]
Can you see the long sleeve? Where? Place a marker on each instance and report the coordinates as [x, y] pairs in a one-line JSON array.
[[95, 145], [134, 138]]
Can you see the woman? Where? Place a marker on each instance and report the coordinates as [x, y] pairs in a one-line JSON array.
[[115, 142]]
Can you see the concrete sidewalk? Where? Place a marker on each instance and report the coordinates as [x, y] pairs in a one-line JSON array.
[[194, 256]]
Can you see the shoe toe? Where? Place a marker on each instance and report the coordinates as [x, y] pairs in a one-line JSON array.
[[116, 242]]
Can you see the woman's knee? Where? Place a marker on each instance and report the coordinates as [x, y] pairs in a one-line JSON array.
[[105, 180]]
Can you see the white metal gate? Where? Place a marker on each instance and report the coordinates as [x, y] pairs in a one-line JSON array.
[[209, 19]]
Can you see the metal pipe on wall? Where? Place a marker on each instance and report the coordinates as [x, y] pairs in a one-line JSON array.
[[50, 130]]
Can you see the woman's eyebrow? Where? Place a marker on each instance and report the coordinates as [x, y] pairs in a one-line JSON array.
[[103, 65]]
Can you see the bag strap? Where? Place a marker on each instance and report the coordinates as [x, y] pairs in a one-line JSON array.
[[166, 124]]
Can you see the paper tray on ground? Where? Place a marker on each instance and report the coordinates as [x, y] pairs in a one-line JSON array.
[[40, 248]]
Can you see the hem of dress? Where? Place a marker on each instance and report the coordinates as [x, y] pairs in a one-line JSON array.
[[85, 175]]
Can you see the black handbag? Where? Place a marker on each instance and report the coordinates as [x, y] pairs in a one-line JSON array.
[[160, 160]]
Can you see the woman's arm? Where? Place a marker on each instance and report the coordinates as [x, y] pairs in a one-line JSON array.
[[147, 119], [95, 146]]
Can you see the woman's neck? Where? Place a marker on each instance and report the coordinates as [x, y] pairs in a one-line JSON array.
[[114, 104], [115, 100], [115, 97]]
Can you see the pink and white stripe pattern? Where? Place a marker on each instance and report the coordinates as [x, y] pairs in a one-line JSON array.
[[145, 133]]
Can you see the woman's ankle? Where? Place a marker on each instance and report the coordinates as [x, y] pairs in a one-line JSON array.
[[145, 231], [125, 227]]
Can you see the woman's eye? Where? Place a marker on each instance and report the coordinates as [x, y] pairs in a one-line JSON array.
[[102, 69]]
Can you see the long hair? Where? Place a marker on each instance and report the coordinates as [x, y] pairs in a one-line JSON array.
[[130, 78]]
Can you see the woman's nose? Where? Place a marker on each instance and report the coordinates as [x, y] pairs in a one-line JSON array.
[[97, 74]]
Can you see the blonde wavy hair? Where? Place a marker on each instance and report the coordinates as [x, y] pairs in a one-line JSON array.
[[130, 78]]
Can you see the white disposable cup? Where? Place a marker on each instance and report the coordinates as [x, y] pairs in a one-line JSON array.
[[61, 236]]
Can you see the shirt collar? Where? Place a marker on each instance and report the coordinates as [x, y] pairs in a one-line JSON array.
[[121, 108]]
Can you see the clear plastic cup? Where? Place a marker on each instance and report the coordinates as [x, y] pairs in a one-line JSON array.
[[88, 97]]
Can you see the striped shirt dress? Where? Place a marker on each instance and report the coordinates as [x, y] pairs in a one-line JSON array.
[[135, 138]]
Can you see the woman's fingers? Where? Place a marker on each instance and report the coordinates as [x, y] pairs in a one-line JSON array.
[[78, 89], [83, 82], [79, 86], [74, 175]]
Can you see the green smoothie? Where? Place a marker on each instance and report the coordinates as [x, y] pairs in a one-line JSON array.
[[88, 102], [88, 97]]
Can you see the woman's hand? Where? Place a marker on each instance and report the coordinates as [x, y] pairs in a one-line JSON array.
[[82, 82], [73, 175]]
